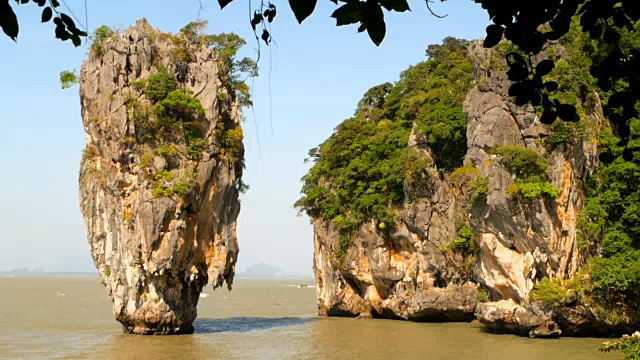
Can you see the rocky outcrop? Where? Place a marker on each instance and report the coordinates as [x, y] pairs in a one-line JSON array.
[[409, 274], [412, 273], [160, 219], [522, 242]]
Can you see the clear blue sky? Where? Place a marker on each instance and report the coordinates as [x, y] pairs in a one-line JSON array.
[[318, 74]]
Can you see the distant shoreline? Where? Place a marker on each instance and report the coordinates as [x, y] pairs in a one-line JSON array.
[[34, 274], [258, 277], [5, 274]]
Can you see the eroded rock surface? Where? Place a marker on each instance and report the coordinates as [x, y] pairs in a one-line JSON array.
[[156, 251], [522, 242], [410, 274]]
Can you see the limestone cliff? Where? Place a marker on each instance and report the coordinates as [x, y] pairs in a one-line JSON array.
[[521, 242], [416, 270], [158, 188], [412, 273]]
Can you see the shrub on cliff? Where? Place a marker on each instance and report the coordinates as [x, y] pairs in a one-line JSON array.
[[468, 179], [549, 292], [233, 71], [530, 169], [178, 107], [360, 172], [99, 36], [157, 86], [69, 79], [463, 244], [431, 94]]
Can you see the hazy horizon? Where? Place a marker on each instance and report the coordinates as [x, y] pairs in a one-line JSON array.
[[311, 80], [245, 272]]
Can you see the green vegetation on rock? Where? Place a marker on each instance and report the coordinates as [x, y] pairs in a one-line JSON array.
[[483, 295], [99, 36], [431, 94], [164, 187], [549, 292], [68, 79], [360, 172], [468, 179], [530, 169], [157, 86], [464, 243], [175, 116], [233, 71], [609, 224], [169, 118]]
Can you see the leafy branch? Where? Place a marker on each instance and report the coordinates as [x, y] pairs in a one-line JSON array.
[[66, 28]]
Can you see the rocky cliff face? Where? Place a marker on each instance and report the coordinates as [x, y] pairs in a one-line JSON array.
[[521, 242], [413, 274], [160, 212]]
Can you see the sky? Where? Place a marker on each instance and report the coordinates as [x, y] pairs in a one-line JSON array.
[[310, 80]]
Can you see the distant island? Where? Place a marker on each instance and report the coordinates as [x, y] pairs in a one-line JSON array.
[[262, 270]]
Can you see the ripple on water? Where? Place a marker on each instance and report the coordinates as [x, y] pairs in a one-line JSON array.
[[244, 324]]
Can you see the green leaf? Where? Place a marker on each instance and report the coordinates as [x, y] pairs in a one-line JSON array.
[[548, 117], [349, 13], [266, 37], [47, 14], [224, 3], [8, 20], [395, 5], [76, 40], [374, 20], [544, 67], [551, 86], [67, 21], [567, 112], [494, 35], [302, 8], [606, 158]]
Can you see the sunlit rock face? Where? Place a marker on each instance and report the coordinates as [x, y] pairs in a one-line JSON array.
[[160, 224], [521, 242]]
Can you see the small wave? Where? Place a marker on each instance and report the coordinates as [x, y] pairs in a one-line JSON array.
[[244, 324]]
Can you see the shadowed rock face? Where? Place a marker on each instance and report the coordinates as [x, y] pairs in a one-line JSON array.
[[156, 253]]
